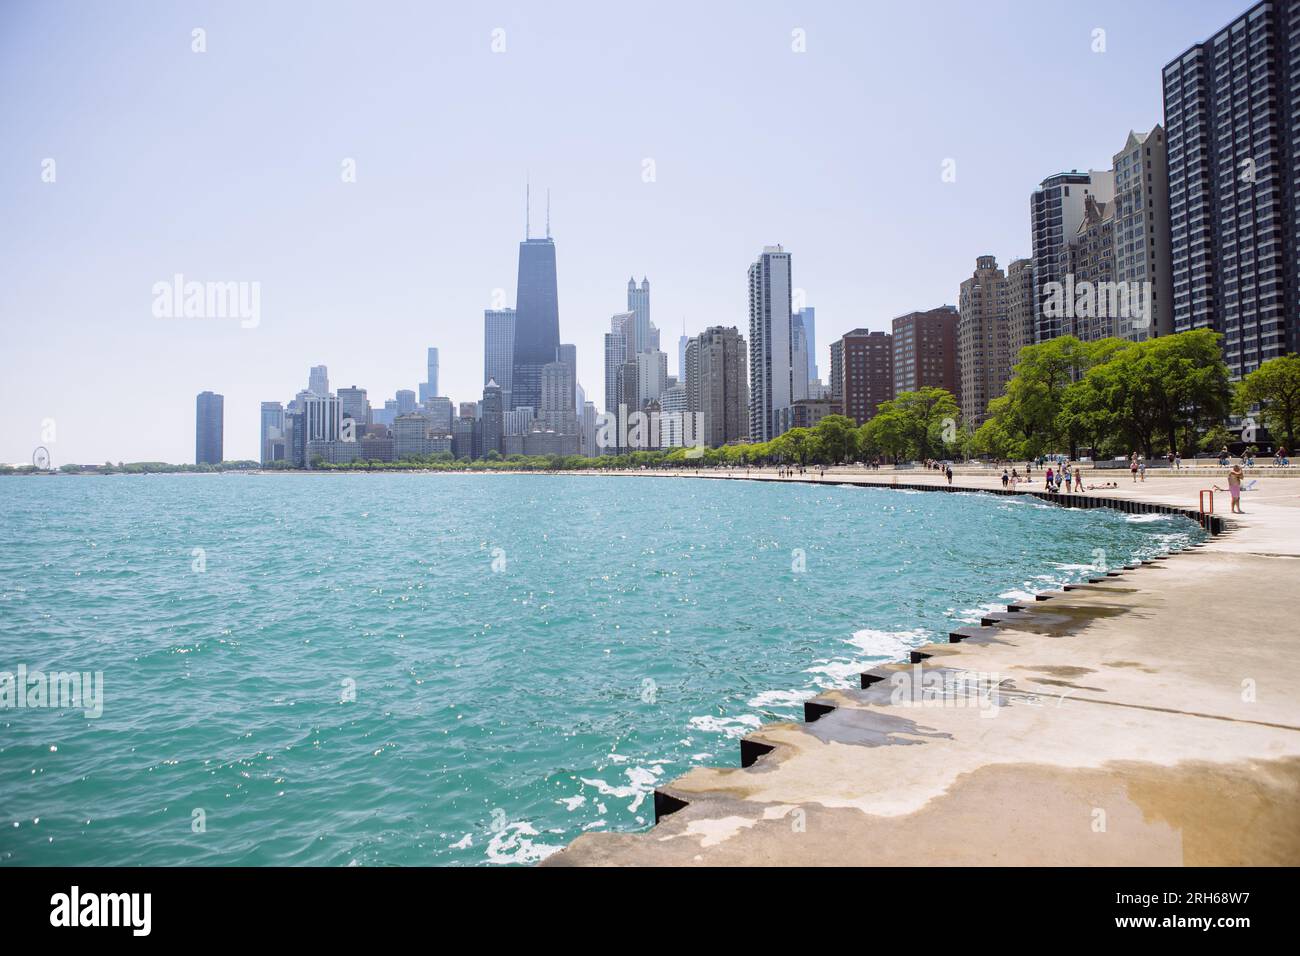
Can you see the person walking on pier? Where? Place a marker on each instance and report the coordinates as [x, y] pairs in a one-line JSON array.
[[1235, 475], [1133, 466], [948, 473], [1006, 478]]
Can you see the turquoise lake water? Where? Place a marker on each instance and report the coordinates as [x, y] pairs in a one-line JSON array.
[[456, 669]]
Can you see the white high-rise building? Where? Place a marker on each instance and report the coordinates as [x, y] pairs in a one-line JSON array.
[[557, 387], [770, 362], [808, 316], [322, 416], [672, 419], [429, 389], [616, 353], [518, 421], [652, 376], [638, 303], [587, 426], [1141, 171], [318, 380], [499, 350]]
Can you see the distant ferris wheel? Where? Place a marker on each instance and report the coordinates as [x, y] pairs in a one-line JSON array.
[[41, 458]]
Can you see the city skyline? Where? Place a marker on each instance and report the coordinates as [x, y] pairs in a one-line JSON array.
[[369, 308]]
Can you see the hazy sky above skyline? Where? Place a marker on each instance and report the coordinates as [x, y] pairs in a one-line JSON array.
[[227, 165]]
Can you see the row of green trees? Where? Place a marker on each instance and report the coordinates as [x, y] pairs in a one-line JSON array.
[[1111, 397], [135, 468], [915, 425]]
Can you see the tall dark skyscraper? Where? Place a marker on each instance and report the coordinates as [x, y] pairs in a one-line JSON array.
[[491, 421], [717, 386], [208, 423], [1232, 124], [537, 318]]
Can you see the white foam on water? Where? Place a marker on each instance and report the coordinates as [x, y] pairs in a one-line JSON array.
[[466, 841], [835, 673], [1030, 503], [641, 782], [973, 615], [781, 698], [511, 844], [572, 803], [891, 644], [873, 646], [731, 726], [1146, 519]]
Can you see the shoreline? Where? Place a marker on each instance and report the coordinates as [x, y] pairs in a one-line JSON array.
[[1146, 717]]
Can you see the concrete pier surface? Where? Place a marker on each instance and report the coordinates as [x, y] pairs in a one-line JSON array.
[[1150, 718]]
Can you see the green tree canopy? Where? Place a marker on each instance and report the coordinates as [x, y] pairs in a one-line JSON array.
[[1275, 388]]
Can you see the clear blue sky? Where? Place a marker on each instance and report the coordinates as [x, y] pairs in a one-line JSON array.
[[226, 166]]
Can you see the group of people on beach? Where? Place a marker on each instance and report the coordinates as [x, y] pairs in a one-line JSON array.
[[1062, 476], [943, 467], [1137, 467]]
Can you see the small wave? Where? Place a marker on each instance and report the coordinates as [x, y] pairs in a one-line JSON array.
[[731, 726], [890, 644], [874, 646], [781, 698], [973, 615]]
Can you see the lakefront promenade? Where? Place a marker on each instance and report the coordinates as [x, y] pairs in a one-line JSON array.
[[1148, 718]]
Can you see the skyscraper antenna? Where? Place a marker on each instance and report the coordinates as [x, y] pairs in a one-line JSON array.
[[527, 208], [548, 212]]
